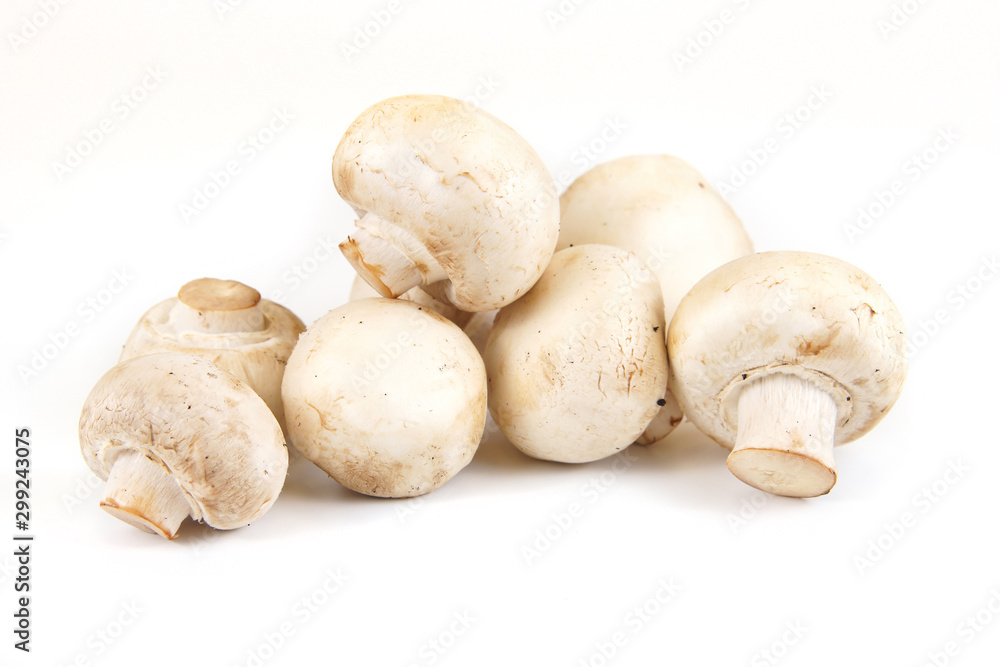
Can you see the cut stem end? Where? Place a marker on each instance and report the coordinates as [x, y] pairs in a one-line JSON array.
[[209, 305], [142, 494], [785, 437]]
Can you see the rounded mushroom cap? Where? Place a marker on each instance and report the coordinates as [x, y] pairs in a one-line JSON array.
[[464, 184], [577, 367], [800, 313], [387, 397], [256, 357], [662, 209], [205, 427], [362, 290]]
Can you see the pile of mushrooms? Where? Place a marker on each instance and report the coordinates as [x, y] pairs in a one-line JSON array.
[[582, 324], [190, 421]]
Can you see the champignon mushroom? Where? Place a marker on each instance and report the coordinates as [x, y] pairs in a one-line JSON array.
[[577, 367], [449, 198], [387, 397], [227, 323], [780, 356], [175, 435], [662, 209]]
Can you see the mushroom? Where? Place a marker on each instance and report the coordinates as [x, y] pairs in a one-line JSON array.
[[577, 367], [449, 198], [227, 323], [386, 396], [662, 209], [174, 435], [782, 355], [362, 290]]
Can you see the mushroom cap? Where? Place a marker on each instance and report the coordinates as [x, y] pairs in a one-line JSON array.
[[362, 290], [255, 357], [387, 397], [801, 313], [662, 209], [469, 188], [205, 427], [577, 365]]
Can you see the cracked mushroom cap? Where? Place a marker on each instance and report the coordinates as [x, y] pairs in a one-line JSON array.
[[193, 425], [450, 198], [387, 397], [578, 366], [802, 314], [227, 323]]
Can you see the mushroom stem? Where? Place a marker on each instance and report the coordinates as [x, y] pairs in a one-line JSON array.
[[142, 494], [784, 440], [389, 258], [209, 305]]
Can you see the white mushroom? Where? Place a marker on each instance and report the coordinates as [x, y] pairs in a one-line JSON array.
[[362, 290], [387, 397], [227, 323], [662, 209], [577, 367], [449, 198], [175, 435], [782, 355]]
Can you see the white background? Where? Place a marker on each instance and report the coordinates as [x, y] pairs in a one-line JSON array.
[[856, 583]]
